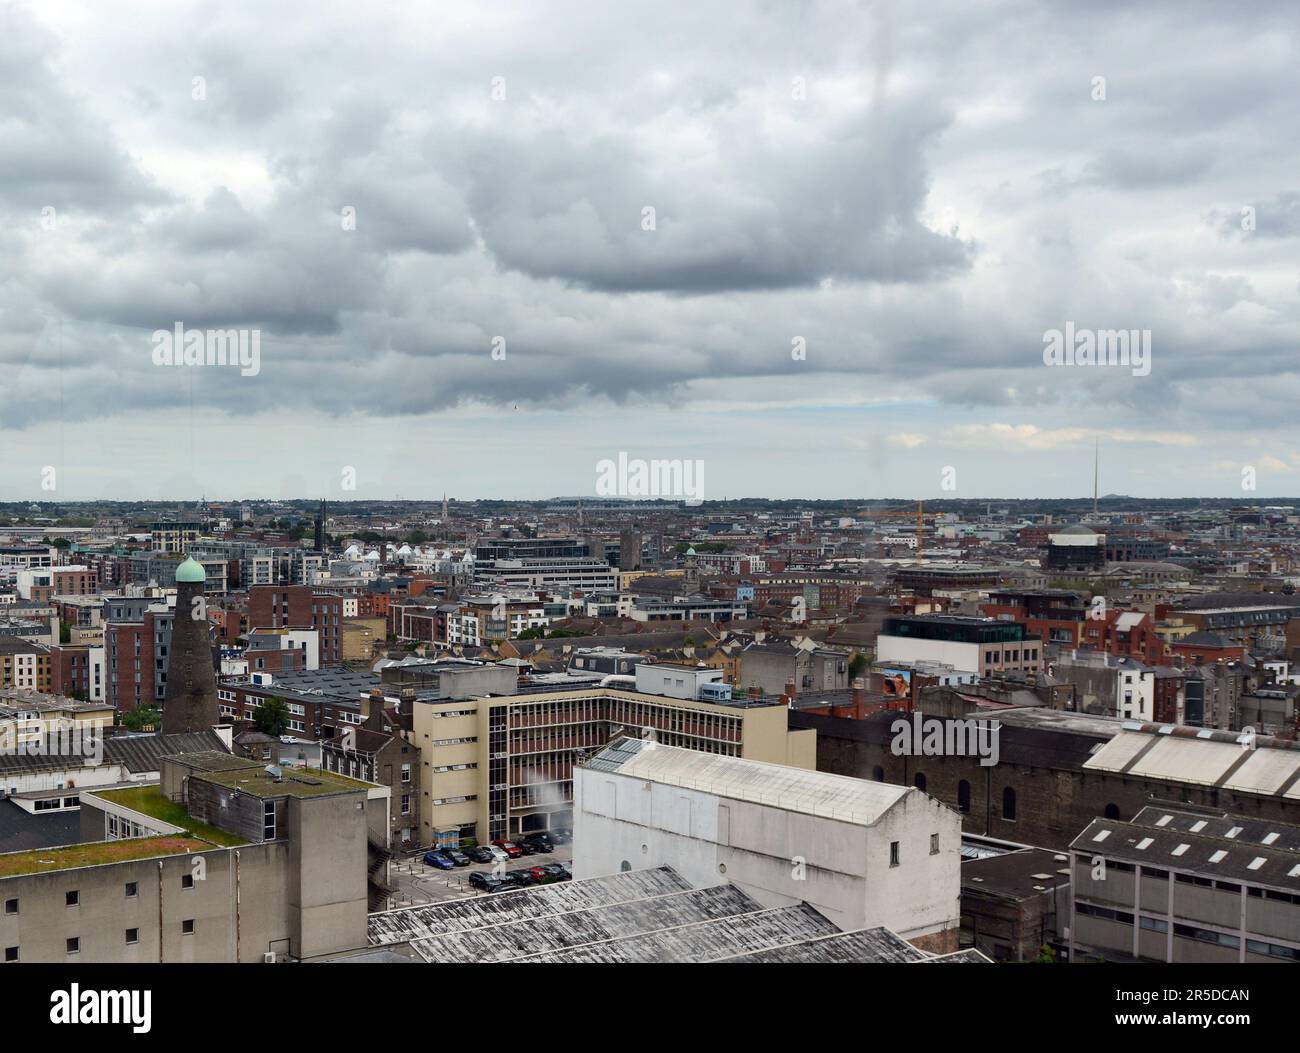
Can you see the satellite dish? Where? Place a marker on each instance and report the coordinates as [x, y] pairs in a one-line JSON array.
[[274, 771]]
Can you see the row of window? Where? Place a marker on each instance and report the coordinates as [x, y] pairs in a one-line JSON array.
[[963, 794], [895, 850], [73, 943], [72, 898]]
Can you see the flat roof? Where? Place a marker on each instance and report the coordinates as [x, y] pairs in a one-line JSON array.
[[70, 857], [296, 782]]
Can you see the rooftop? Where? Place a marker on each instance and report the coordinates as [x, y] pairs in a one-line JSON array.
[[793, 789], [295, 782], [69, 857], [149, 800]]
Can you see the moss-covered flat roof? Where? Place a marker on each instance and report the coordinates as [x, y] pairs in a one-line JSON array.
[[150, 801], [295, 782], [69, 857]]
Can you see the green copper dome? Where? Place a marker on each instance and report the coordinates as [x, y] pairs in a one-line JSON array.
[[691, 551], [190, 570]]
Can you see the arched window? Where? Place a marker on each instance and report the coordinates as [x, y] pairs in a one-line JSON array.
[[1009, 804], [1112, 811], [963, 796], [625, 866], [878, 773], [919, 781]]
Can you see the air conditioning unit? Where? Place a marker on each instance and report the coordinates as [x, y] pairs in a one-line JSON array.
[[269, 957]]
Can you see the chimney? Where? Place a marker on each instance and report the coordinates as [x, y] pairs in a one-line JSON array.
[[859, 698], [374, 710], [789, 687]]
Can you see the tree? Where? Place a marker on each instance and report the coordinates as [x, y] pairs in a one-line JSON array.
[[272, 717], [1046, 956], [142, 718], [856, 665], [65, 632]]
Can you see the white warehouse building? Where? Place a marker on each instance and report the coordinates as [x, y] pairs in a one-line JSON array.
[[864, 854]]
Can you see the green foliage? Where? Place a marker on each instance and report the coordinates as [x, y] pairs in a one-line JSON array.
[[272, 717], [139, 719], [1046, 956]]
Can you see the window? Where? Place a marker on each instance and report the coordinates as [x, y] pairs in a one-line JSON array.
[[406, 804], [187, 927], [11, 954], [1009, 804], [187, 881], [919, 781], [934, 844], [893, 853], [963, 797], [878, 773], [1112, 811], [406, 773], [132, 890], [71, 899], [132, 936], [11, 906], [74, 944]]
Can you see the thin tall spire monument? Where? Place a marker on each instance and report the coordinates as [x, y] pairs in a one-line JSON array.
[[1096, 473]]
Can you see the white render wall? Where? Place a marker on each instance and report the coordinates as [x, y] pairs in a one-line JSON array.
[[964, 657], [709, 840]]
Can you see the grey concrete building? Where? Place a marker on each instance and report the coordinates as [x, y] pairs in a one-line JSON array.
[[222, 861], [1184, 884]]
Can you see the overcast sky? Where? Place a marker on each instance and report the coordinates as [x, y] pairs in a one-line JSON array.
[[919, 192]]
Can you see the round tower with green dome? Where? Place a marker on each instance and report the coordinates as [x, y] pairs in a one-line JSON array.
[[190, 698]]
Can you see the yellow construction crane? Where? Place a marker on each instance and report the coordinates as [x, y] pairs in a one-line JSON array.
[[920, 526]]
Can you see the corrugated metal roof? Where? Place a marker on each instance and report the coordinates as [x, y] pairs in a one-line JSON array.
[[1265, 771], [793, 789], [500, 943], [704, 941], [433, 919], [1188, 760], [859, 947]]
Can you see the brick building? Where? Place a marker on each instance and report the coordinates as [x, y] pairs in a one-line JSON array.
[[300, 607]]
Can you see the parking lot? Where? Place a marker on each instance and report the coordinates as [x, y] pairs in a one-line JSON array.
[[415, 882]]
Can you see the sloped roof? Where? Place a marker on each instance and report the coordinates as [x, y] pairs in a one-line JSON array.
[[794, 789], [428, 920]]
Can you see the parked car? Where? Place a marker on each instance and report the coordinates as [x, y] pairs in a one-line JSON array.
[[480, 854], [512, 850], [538, 843], [541, 875], [562, 837], [499, 855], [520, 878], [459, 858], [439, 859], [557, 871], [486, 882]]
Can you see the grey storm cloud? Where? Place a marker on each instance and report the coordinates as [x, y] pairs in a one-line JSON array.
[[918, 194]]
